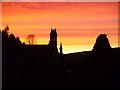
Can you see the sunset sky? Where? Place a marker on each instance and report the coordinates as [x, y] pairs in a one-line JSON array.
[[78, 23]]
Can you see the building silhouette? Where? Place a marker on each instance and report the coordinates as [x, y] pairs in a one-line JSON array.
[[42, 66], [31, 66]]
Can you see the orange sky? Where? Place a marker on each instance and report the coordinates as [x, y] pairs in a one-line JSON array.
[[78, 23]]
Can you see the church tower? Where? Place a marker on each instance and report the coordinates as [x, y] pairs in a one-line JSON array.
[[53, 38]]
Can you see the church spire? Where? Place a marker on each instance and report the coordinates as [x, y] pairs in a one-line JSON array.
[[61, 48]]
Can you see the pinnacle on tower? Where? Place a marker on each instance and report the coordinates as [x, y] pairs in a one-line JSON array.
[[61, 48]]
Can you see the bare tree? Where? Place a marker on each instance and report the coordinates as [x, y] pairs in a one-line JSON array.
[[31, 39]]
